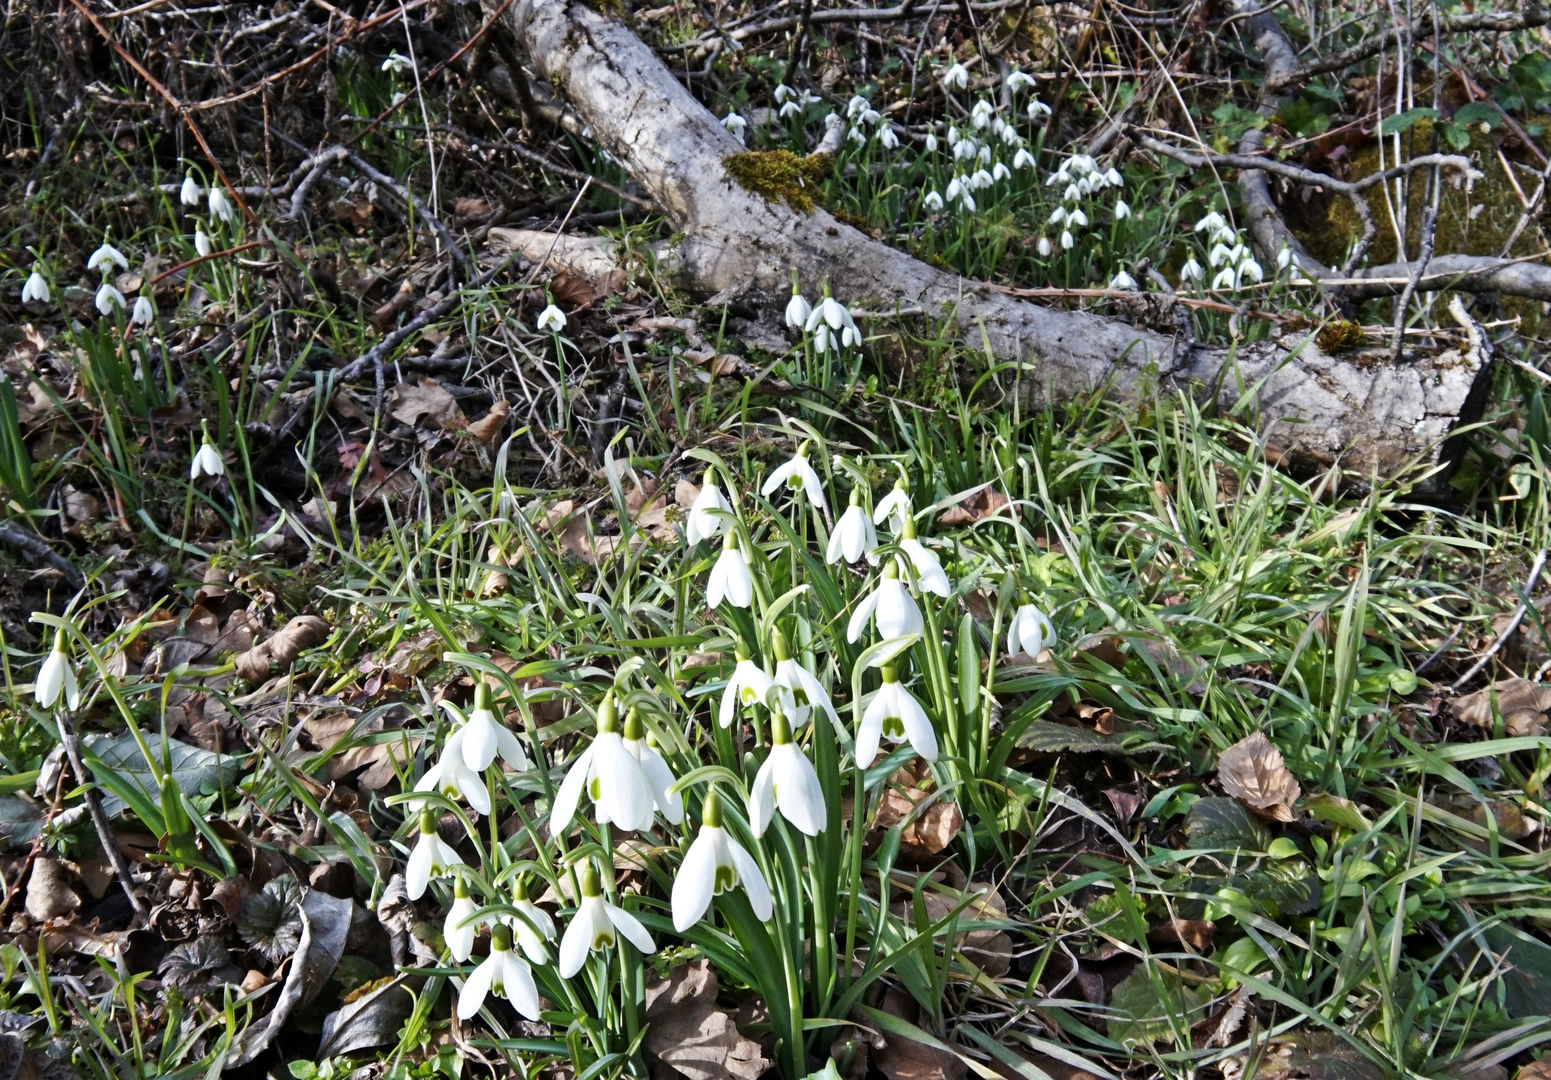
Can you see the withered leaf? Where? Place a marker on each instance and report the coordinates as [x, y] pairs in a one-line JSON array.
[[488, 427], [1252, 770], [982, 504], [1523, 706], [692, 1034], [426, 404]]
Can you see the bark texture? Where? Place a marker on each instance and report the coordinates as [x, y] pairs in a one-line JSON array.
[[1368, 412]]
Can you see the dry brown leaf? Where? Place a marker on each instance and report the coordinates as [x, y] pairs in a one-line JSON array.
[[1252, 771], [1523, 706], [692, 1034], [281, 650], [388, 314], [685, 492], [905, 1059], [378, 759], [489, 426], [426, 404], [1195, 933], [982, 504], [932, 829], [80, 508], [575, 291], [49, 892], [1536, 1070], [473, 206]]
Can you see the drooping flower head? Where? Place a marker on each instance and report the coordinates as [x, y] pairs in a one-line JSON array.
[[57, 677], [705, 516], [715, 864], [797, 476], [747, 687], [1029, 632], [611, 776], [895, 714], [786, 782], [532, 926], [207, 459], [485, 736], [730, 577], [658, 776], [35, 288], [800, 690], [551, 319], [598, 925], [504, 972], [432, 857], [188, 194], [460, 929], [854, 537], [890, 606], [923, 567]]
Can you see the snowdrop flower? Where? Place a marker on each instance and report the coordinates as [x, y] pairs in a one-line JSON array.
[[1029, 632], [35, 288], [1066, 240], [735, 124], [929, 574], [459, 930], [144, 313], [890, 606], [1250, 269], [797, 475], [932, 201], [953, 135], [784, 93], [1085, 186], [506, 973], [856, 106], [658, 776], [1084, 163], [705, 516], [432, 857], [1113, 178], [1218, 255], [887, 139], [1123, 281], [395, 63], [800, 690], [786, 782], [894, 712], [967, 202], [533, 926], [399, 97], [188, 194], [1044, 247], [1037, 108], [857, 135], [1058, 215], [870, 116], [1072, 193], [896, 504], [985, 155], [107, 297], [1060, 176], [104, 257], [552, 319], [485, 736], [980, 115], [1017, 80], [955, 188], [1214, 220], [207, 459], [980, 180], [748, 687], [790, 109], [611, 776], [220, 205], [1191, 271], [598, 925], [832, 313], [714, 864], [854, 536], [956, 77], [1122, 210], [1077, 219], [965, 149], [797, 309], [730, 578], [930, 142], [1283, 259], [1011, 137], [1000, 172], [452, 777], [1224, 279], [57, 677], [202, 242]]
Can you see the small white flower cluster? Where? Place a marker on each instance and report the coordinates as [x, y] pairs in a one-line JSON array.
[[1080, 179], [976, 153], [862, 116], [830, 322], [793, 102], [1228, 254]]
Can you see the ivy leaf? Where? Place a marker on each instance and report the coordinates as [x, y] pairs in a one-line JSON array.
[[1394, 125], [1225, 824]]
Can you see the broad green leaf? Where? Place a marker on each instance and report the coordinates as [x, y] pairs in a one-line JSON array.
[[195, 770], [1224, 823], [1393, 125]]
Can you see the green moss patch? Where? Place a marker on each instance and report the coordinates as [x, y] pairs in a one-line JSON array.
[[780, 174]]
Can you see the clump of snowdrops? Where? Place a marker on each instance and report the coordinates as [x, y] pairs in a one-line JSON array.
[[842, 658]]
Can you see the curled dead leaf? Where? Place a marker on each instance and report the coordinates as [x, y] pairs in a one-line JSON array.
[[426, 404], [301, 633], [1252, 770], [981, 504], [692, 1034], [489, 426]]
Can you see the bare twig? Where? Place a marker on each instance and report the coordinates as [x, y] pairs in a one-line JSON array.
[[110, 848], [36, 548], [1513, 623]]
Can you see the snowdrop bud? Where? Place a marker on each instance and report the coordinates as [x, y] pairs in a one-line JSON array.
[[1191, 271], [1066, 240], [202, 242], [1023, 159], [932, 202], [144, 313], [1123, 281], [953, 135], [931, 143], [35, 288], [188, 194], [1000, 172], [1122, 211], [887, 139], [1044, 247], [220, 205], [1283, 259], [735, 124]]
